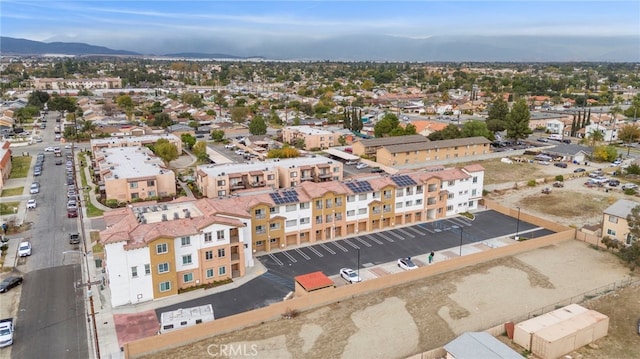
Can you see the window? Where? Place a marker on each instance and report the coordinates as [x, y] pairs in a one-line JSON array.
[[152, 193], [185, 241], [222, 193], [338, 201], [221, 183], [611, 232], [291, 208], [351, 198], [293, 174], [451, 183], [398, 204], [450, 207], [386, 208], [351, 213], [376, 194], [151, 183], [304, 205], [165, 286], [186, 259], [208, 255], [133, 185], [187, 277], [399, 192], [470, 203], [318, 219], [362, 197], [291, 223], [387, 194], [260, 230], [134, 195], [208, 237], [274, 226], [163, 268], [220, 235], [362, 211], [408, 203], [221, 253], [259, 213], [274, 210], [329, 203], [409, 191], [473, 192], [418, 202], [419, 189], [270, 177], [259, 243], [613, 219], [336, 169], [319, 204], [305, 220], [147, 269], [338, 216], [210, 273], [329, 218], [475, 180], [161, 248], [134, 272], [451, 195]]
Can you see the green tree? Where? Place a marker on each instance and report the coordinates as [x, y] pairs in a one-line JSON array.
[[498, 110], [217, 135], [162, 120], [62, 103], [21, 115], [495, 125], [448, 133], [475, 128], [343, 141], [258, 126], [410, 129], [193, 99], [284, 152], [634, 110], [188, 140], [200, 151], [166, 150], [605, 153], [595, 136], [384, 127], [125, 102], [628, 134], [239, 114], [517, 124], [156, 108], [274, 118], [38, 99], [299, 143]]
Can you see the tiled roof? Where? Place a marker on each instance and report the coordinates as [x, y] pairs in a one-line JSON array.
[[313, 281]]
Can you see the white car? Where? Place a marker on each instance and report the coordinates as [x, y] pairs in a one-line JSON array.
[[407, 264], [24, 249], [49, 149], [240, 152], [351, 163], [350, 275], [35, 188], [31, 204], [615, 163], [230, 145], [629, 186], [361, 165]]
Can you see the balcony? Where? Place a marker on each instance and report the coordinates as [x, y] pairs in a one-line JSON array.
[[235, 257], [376, 211], [237, 185], [324, 175], [234, 239], [258, 184]]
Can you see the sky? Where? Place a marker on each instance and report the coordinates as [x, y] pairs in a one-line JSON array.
[[161, 26]]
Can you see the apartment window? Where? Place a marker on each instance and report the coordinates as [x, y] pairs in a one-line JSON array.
[[147, 269], [336, 169], [318, 219], [152, 193], [451, 183], [185, 241], [210, 273], [293, 174], [304, 205], [418, 202], [329, 218], [291, 223], [399, 192], [409, 191], [376, 194], [222, 193], [151, 183], [471, 203], [221, 253], [305, 220], [475, 179], [338, 216], [362, 211], [161, 248], [473, 192], [163, 268], [259, 243], [387, 194], [329, 203], [362, 197], [386, 208], [611, 232], [408, 203], [134, 195], [613, 219], [274, 226], [450, 207], [319, 204], [419, 189], [221, 183], [351, 199], [398, 204], [259, 213], [351, 213], [270, 177], [134, 272], [165, 286], [291, 208], [186, 259], [293, 184], [220, 235], [208, 255], [133, 185], [451, 195], [260, 229], [338, 202], [274, 210], [187, 278], [208, 237]]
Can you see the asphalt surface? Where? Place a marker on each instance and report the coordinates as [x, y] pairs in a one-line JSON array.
[[52, 318]]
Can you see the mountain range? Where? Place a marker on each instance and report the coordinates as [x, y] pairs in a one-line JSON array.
[[374, 48]]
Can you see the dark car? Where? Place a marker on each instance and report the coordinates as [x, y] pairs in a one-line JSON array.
[[578, 170], [58, 161], [74, 238], [614, 182], [560, 164], [9, 283], [377, 170]]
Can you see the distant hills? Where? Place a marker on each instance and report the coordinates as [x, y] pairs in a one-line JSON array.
[[362, 47]]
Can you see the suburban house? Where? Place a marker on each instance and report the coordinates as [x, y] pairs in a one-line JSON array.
[[614, 221]]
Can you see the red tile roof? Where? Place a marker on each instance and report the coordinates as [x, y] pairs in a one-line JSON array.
[[314, 281]]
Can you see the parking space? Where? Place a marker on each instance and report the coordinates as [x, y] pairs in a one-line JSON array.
[[378, 252]]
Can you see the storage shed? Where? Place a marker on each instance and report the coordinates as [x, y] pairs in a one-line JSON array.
[[473, 345], [524, 331], [312, 282]]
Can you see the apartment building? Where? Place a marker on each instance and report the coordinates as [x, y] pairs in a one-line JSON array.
[[614, 221], [369, 147], [133, 173], [222, 180], [313, 137], [5, 162], [154, 251], [137, 139], [420, 152], [68, 84]]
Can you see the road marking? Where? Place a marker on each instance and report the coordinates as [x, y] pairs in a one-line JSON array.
[[407, 233], [393, 233], [373, 239], [304, 255], [340, 246], [315, 251], [278, 262], [286, 254], [351, 244], [460, 221], [327, 248], [424, 227], [385, 237], [363, 242], [416, 231]]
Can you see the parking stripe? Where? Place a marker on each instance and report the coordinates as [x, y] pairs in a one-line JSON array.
[[363, 242], [393, 233], [278, 262], [286, 254], [424, 227], [340, 246], [407, 233], [416, 231], [385, 237], [327, 248], [373, 239], [311, 248], [304, 255], [351, 244], [460, 221]]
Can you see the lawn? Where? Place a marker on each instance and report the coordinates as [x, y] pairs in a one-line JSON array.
[[20, 166], [12, 192], [8, 207], [499, 172]]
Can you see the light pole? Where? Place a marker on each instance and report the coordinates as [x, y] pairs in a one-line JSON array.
[[461, 231], [518, 226], [358, 268]]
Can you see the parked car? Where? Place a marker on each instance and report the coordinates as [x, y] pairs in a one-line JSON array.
[[361, 165], [72, 212], [350, 275], [58, 161], [49, 149], [230, 146], [35, 188], [407, 264], [629, 186], [377, 170], [614, 182], [560, 164], [9, 283], [240, 152], [24, 249], [72, 204], [542, 139], [351, 163], [31, 204], [579, 170], [616, 163], [595, 174], [37, 171], [558, 184], [74, 238]]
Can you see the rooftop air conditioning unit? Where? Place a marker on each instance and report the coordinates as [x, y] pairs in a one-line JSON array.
[[164, 217], [176, 215], [164, 207], [187, 214]]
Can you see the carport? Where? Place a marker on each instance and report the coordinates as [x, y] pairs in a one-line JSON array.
[[341, 154]]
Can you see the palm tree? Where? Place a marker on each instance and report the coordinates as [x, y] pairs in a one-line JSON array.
[[595, 136]]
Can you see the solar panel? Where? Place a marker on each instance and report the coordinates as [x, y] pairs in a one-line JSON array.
[[403, 180], [359, 186], [284, 197]]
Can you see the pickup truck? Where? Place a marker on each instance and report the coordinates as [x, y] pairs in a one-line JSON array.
[[6, 332]]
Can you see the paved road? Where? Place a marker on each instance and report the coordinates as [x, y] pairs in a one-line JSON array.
[[52, 318]]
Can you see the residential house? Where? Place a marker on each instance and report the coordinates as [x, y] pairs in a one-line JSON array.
[[614, 221]]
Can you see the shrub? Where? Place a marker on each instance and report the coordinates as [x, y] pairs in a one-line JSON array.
[[113, 203], [559, 178], [630, 191], [531, 183]]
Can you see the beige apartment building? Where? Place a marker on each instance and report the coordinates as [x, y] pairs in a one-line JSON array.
[[77, 84], [614, 221], [137, 139], [222, 180], [369, 147], [313, 137], [417, 152], [129, 174]]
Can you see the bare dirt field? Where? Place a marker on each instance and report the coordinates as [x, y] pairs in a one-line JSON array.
[[423, 315]]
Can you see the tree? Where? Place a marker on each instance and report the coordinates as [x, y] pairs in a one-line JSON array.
[[634, 110], [384, 127], [595, 136], [299, 143], [26, 113], [495, 125], [217, 135], [628, 134], [38, 99], [188, 140], [200, 151], [410, 129], [517, 124], [126, 104], [475, 128], [193, 99], [258, 126], [605, 153], [448, 133], [166, 150], [62, 103], [162, 119], [239, 114], [284, 152], [342, 140]]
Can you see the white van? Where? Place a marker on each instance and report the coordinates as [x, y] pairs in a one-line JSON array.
[[555, 137]]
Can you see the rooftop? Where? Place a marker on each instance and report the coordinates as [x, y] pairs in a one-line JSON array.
[[394, 140], [219, 170], [308, 130], [134, 139], [417, 146], [622, 208], [164, 212], [130, 162]]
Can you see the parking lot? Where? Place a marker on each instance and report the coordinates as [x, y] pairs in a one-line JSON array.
[[378, 252]]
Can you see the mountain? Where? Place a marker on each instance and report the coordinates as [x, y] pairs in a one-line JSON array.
[[12, 46], [200, 55]]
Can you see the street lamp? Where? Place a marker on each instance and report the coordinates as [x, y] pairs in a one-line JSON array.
[[461, 231], [358, 268], [518, 226]]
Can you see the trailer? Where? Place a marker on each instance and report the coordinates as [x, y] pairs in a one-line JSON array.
[[6, 332], [182, 318]]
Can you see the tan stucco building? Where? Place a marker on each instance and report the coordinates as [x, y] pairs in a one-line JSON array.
[[418, 152], [614, 221]]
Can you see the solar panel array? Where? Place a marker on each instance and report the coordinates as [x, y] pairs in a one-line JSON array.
[[284, 197], [359, 186], [403, 180]]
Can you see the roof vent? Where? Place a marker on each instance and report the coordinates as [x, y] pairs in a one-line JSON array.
[[144, 209], [187, 214], [164, 217], [144, 221], [176, 215]]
